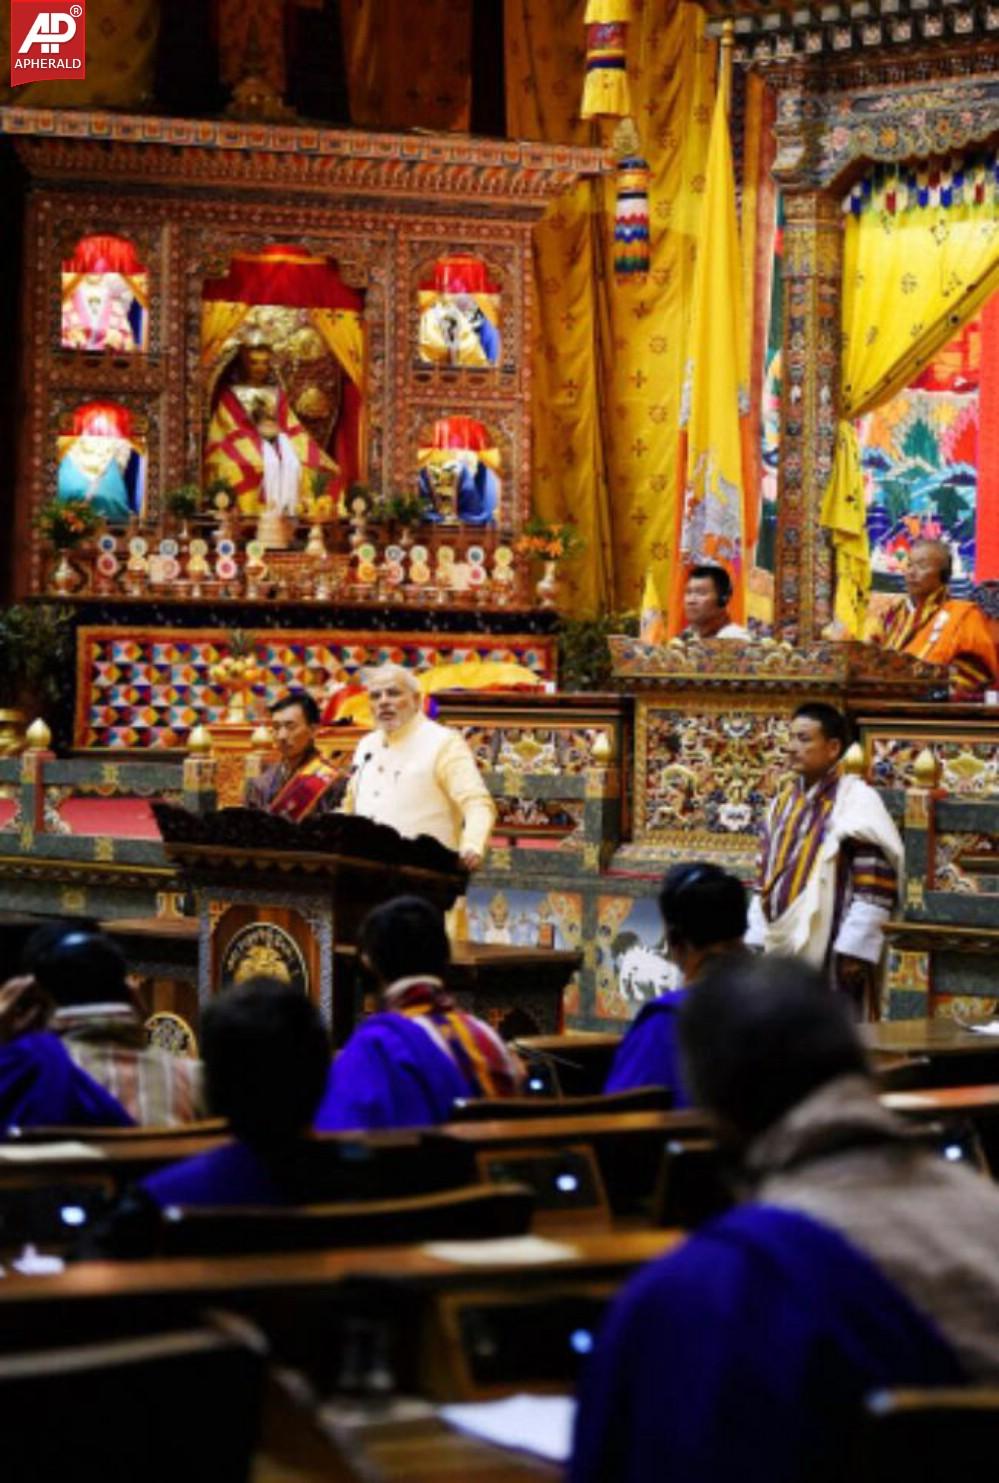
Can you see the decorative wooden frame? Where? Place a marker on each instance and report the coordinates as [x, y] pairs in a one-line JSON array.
[[834, 117], [188, 193]]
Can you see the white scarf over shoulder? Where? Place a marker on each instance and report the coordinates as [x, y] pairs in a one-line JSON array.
[[804, 929]]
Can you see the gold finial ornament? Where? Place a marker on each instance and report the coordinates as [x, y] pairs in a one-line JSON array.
[[38, 737], [854, 762], [260, 737], [199, 740], [602, 749], [926, 769]]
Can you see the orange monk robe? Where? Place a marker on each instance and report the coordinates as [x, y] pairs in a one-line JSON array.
[[943, 630]]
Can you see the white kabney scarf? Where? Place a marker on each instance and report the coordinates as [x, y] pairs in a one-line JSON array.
[[804, 929], [282, 473]]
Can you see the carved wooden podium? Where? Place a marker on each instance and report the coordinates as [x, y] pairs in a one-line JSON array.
[[278, 900]]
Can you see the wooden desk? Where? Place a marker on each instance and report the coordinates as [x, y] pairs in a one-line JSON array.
[[581, 1060], [407, 1442], [518, 989], [628, 1146], [293, 1297], [953, 1055], [936, 1037], [967, 1101]]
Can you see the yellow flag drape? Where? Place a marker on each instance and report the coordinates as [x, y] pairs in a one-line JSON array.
[[652, 619], [911, 279], [712, 522], [608, 356]]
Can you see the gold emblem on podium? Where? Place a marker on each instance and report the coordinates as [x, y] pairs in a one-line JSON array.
[[264, 950]]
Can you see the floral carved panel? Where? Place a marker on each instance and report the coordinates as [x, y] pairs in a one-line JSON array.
[[707, 775]]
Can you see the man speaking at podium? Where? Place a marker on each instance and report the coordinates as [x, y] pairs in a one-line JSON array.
[[417, 775]]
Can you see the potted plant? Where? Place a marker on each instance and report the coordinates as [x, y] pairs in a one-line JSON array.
[[183, 503], [65, 524], [36, 656], [405, 510], [550, 543]]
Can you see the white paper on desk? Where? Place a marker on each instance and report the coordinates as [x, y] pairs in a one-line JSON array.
[[47, 1153], [513, 1251], [990, 1028], [540, 1424]]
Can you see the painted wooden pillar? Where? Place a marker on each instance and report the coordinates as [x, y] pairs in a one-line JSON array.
[[809, 402]]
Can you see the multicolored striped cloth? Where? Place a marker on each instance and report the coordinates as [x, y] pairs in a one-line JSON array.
[[478, 1052]]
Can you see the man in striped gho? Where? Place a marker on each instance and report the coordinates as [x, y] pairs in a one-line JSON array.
[[830, 863]]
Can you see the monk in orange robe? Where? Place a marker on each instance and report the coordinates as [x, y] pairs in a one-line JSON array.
[[931, 625]]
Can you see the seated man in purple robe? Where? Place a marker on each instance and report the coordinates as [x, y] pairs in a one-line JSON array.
[[40, 1084], [861, 1260], [704, 914], [266, 1055], [408, 1064]]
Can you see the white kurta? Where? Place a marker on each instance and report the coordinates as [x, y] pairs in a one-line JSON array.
[[422, 779]]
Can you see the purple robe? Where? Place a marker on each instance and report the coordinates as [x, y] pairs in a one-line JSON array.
[[648, 1055], [234, 1174], [744, 1356], [390, 1074], [42, 1086]]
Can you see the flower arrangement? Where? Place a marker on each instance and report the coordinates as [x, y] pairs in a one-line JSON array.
[[549, 542], [65, 523], [317, 504], [404, 508], [184, 501]]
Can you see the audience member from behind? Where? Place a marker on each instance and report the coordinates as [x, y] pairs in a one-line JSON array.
[[85, 975], [267, 1055], [704, 914], [40, 1084], [408, 1064], [861, 1260]]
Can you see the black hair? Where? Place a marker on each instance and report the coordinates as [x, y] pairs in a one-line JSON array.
[[760, 1034], [835, 726], [42, 938], [267, 1056], [81, 967], [306, 703], [720, 577], [701, 904], [403, 937]]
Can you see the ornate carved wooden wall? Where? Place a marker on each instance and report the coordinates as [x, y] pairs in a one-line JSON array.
[[189, 194], [856, 84]]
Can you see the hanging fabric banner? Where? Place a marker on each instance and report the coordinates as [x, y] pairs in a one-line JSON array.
[[713, 522], [605, 90]]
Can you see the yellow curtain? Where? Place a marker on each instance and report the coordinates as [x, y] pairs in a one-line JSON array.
[[608, 358], [404, 70], [714, 521], [121, 49], [911, 279], [343, 332], [219, 322]]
